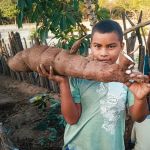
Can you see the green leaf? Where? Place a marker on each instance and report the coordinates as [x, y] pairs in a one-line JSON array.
[[83, 50], [70, 19], [20, 19], [53, 134], [21, 4], [55, 22], [29, 3], [63, 24], [35, 15], [42, 126], [43, 32], [42, 141], [75, 5]]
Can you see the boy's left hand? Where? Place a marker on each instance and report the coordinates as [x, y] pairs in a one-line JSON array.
[[139, 89]]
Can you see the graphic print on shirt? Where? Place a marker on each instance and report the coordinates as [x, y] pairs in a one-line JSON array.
[[102, 90], [112, 104]]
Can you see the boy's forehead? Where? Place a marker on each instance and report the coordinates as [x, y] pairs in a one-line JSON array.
[[105, 33], [109, 36]]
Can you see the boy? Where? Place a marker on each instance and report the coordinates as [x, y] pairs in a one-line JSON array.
[[95, 111]]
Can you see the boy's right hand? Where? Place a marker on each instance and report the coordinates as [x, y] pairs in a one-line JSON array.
[[50, 75]]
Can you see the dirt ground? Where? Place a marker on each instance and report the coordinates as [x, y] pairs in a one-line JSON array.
[[19, 116]]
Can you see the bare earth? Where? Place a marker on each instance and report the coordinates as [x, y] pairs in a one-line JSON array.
[[18, 115]]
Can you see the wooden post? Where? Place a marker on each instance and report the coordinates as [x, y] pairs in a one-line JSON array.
[[125, 36], [131, 44], [141, 47]]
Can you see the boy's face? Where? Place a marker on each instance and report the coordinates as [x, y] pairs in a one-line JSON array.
[[106, 47]]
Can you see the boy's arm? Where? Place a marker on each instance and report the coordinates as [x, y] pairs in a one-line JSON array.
[[70, 110], [140, 91], [139, 110]]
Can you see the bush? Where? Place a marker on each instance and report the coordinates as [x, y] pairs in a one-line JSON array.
[[8, 12], [117, 11], [53, 123], [103, 13]]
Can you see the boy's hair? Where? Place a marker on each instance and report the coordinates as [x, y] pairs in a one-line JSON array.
[[108, 26]]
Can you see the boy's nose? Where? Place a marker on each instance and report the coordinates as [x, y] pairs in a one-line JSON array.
[[104, 52]]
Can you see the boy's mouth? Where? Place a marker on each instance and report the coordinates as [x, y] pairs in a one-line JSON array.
[[108, 61], [105, 61]]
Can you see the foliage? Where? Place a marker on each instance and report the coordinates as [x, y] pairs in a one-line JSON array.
[[102, 3], [8, 9], [103, 13], [53, 124], [1, 16], [116, 12], [58, 16], [62, 18], [131, 7]]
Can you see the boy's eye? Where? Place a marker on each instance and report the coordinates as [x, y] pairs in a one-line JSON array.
[[97, 46], [111, 46]]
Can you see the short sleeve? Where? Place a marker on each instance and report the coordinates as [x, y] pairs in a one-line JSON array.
[[74, 87], [130, 98]]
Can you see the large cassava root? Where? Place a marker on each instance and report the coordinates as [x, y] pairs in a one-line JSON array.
[[65, 63]]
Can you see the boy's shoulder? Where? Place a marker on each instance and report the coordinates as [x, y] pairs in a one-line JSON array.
[[80, 79], [82, 83]]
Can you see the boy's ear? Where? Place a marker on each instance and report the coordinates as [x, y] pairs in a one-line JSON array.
[[90, 50], [90, 45], [122, 45]]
